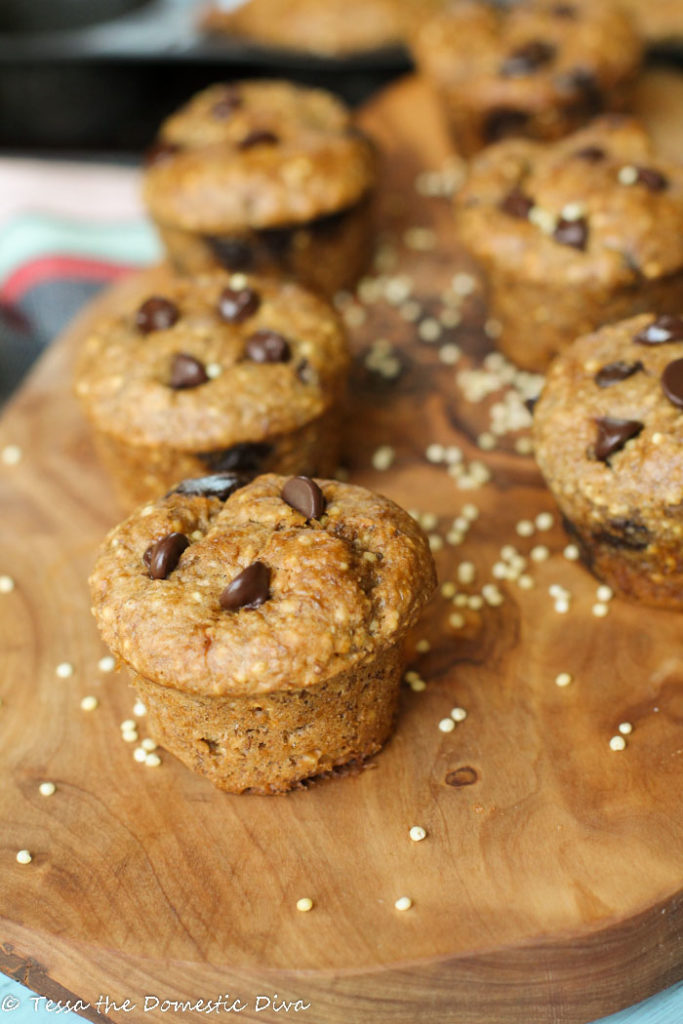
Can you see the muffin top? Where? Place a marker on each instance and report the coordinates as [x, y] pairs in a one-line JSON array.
[[608, 427], [212, 361], [256, 154], [596, 206], [530, 55], [281, 585]]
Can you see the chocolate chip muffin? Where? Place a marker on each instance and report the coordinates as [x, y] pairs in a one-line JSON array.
[[538, 68], [608, 430], [573, 234], [264, 177], [262, 624], [218, 372]]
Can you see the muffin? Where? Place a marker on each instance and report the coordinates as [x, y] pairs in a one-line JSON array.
[[264, 177], [660, 22], [263, 625], [219, 372], [536, 68], [608, 432], [573, 234]]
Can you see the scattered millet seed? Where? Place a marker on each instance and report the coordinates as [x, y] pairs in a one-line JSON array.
[[499, 571], [456, 620], [304, 904], [475, 602], [466, 572], [417, 833], [128, 725], [435, 453], [493, 329], [410, 675], [64, 670], [524, 446], [627, 175], [139, 709], [470, 512], [525, 582], [429, 330], [89, 703], [540, 553], [411, 311], [460, 600], [562, 605], [106, 664], [571, 553], [46, 788], [446, 725], [403, 903], [450, 353], [383, 457], [524, 528], [11, 454], [428, 520], [152, 760], [573, 211], [213, 370], [625, 728], [448, 589], [140, 755], [453, 455], [600, 609], [461, 524], [544, 521], [129, 735], [463, 284], [6, 584], [492, 595], [148, 744], [563, 679], [604, 593], [486, 441], [417, 685], [617, 743], [422, 646], [24, 857], [454, 537], [435, 542], [458, 714]]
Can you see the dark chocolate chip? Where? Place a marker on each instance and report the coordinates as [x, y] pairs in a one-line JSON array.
[[591, 154], [260, 137], [218, 485], [304, 495], [156, 314], [238, 304], [228, 103], [624, 533], [243, 457], [504, 122], [652, 179], [187, 372], [672, 382], [531, 403], [248, 589], [527, 58], [162, 557], [572, 232], [582, 82], [267, 346], [160, 153], [612, 373], [517, 204], [232, 253], [613, 434], [665, 328]]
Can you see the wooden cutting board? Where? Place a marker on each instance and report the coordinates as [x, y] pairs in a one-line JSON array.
[[550, 885]]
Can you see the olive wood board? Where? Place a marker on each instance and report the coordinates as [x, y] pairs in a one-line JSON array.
[[549, 887]]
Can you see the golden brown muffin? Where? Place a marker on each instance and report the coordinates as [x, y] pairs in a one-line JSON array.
[[220, 372], [658, 21], [538, 68], [263, 627], [573, 234], [267, 177], [608, 432]]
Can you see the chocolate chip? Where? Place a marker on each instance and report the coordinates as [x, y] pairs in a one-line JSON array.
[[613, 435], [187, 372], [266, 346], [249, 589], [231, 252], [218, 485], [652, 179], [260, 137], [612, 373], [572, 232], [591, 154], [583, 82], [517, 204], [156, 314], [624, 533], [672, 382], [244, 457], [527, 58], [160, 152], [504, 122], [229, 102], [465, 776], [531, 403], [237, 304], [665, 328], [162, 558], [304, 495]]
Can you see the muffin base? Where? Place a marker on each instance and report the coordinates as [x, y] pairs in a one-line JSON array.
[[268, 743], [143, 473], [539, 320], [328, 254], [632, 562]]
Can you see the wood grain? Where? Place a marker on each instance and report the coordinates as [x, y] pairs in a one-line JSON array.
[[550, 885]]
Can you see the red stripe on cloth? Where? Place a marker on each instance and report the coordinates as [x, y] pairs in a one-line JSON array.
[[50, 268]]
